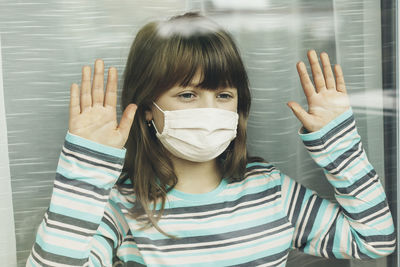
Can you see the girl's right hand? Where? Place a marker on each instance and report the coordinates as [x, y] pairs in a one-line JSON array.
[[94, 117]]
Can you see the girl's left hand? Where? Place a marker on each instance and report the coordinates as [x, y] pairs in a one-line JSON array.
[[327, 100]]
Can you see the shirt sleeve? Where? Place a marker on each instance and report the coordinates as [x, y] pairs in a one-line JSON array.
[[360, 225], [79, 227]]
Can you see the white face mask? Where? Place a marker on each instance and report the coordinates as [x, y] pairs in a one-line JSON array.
[[198, 134]]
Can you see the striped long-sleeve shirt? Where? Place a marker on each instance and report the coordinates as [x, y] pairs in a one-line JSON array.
[[253, 222]]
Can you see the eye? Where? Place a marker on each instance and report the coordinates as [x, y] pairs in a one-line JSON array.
[[225, 96], [187, 95]]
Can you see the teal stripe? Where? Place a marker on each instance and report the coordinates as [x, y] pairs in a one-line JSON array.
[[105, 245], [261, 164], [82, 215], [332, 124], [45, 229], [327, 156], [77, 140], [371, 189], [114, 215], [59, 250], [94, 181], [338, 247], [105, 227], [220, 229], [224, 198], [387, 217], [318, 226], [72, 198], [94, 260], [345, 182]]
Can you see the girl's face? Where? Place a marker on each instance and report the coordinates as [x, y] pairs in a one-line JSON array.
[[191, 97]]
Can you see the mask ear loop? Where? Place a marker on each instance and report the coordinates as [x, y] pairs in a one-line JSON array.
[[152, 121], [158, 107]]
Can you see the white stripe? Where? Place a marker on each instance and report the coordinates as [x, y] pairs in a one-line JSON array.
[[227, 219], [214, 255], [50, 239], [76, 205], [339, 140], [229, 209], [250, 182], [77, 172], [89, 165], [92, 159], [350, 158], [117, 219], [225, 241], [371, 181], [306, 219]]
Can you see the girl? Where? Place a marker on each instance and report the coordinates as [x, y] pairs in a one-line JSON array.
[[173, 185]]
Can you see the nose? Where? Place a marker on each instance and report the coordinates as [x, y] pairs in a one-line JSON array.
[[208, 100]]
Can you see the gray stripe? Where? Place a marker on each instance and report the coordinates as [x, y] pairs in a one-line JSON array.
[[367, 212], [220, 245], [218, 206], [82, 184], [326, 143], [380, 238], [377, 216], [260, 167], [113, 228], [74, 192], [331, 133], [297, 203], [118, 263], [93, 153], [357, 184], [211, 238], [72, 221], [311, 223], [57, 258], [348, 155], [331, 234]]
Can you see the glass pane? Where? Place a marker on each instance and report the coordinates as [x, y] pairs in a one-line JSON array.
[[45, 44]]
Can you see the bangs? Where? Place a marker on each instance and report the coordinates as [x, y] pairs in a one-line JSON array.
[[211, 54]]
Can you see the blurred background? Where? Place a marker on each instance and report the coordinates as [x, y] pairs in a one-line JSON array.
[[44, 45]]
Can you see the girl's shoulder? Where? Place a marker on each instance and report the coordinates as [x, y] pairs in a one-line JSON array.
[[260, 171], [257, 165]]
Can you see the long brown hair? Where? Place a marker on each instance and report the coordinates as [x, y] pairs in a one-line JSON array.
[[165, 54]]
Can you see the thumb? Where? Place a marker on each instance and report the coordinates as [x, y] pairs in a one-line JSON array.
[[299, 112], [127, 120]]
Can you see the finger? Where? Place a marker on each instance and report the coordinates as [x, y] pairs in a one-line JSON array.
[[111, 90], [305, 81], [98, 83], [127, 120], [328, 74], [340, 85], [318, 77], [86, 97], [74, 108], [299, 112]]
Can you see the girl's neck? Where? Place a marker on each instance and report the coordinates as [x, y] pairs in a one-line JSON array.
[[196, 177]]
